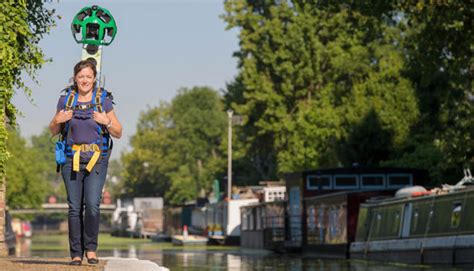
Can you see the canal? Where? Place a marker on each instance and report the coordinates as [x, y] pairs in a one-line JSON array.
[[205, 257]]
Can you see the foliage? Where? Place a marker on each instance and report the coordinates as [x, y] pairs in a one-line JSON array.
[[27, 186], [177, 149], [368, 82], [22, 24], [114, 179], [44, 146], [440, 49], [313, 78], [438, 45]]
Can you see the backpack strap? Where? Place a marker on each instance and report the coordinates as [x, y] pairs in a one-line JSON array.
[[99, 100], [69, 104], [71, 99], [97, 105], [106, 141]]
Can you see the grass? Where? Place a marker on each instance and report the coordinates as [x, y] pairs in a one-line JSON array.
[[108, 242]]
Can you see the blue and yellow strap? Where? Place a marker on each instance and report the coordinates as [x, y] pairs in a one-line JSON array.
[[77, 155]]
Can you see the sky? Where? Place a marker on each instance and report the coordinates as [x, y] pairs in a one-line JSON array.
[[160, 47]]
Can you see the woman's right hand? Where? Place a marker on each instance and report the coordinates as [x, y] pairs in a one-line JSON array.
[[63, 116]]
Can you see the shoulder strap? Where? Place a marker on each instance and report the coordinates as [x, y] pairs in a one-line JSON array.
[[105, 94], [98, 100], [71, 99], [69, 104]]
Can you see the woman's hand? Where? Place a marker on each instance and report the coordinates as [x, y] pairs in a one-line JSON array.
[[101, 118], [60, 117], [63, 116]]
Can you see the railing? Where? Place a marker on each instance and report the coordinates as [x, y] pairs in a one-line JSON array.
[[294, 231]]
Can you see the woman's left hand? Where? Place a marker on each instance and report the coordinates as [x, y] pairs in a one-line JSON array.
[[101, 118]]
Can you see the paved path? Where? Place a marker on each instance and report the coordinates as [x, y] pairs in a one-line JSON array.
[[127, 264], [62, 264]]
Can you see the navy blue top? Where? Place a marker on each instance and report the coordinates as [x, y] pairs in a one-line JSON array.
[[83, 128]]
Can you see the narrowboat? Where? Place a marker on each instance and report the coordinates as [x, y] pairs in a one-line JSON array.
[[312, 183], [223, 221], [263, 225], [427, 227], [331, 221]]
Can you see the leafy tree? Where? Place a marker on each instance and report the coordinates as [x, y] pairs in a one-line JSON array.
[[114, 179], [178, 148], [312, 77], [143, 166], [437, 44], [27, 186], [22, 24], [43, 145]]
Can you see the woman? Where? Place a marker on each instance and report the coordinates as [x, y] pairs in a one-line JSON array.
[[84, 172]]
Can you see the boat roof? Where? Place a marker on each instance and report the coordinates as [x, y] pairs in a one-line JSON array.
[[395, 200]]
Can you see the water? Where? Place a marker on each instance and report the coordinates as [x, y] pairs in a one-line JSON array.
[[207, 258]]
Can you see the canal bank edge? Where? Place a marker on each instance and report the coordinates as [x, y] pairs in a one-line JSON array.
[[126, 264], [62, 264]]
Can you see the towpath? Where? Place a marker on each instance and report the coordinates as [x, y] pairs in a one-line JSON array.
[[62, 264]]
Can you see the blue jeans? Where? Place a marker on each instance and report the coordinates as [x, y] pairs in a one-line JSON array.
[[84, 192]]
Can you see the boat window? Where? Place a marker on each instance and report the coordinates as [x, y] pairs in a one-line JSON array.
[[251, 221], [345, 181], [414, 220], [399, 180], [378, 221], [456, 214], [396, 222], [315, 182], [311, 220], [259, 218], [372, 181], [244, 219]]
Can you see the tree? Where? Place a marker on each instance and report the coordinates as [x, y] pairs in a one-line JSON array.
[[178, 148], [114, 179], [437, 40], [27, 185], [143, 167], [22, 24], [439, 45], [311, 76], [43, 145]]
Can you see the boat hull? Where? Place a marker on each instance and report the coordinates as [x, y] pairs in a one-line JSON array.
[[433, 250], [191, 240]]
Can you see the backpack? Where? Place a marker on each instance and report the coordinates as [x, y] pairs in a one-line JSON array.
[[65, 147]]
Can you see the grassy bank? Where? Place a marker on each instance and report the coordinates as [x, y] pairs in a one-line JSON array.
[[108, 242]]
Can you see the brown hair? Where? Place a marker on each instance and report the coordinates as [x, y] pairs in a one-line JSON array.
[[88, 63]]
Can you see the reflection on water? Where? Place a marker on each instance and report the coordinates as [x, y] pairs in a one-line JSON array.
[[237, 259]]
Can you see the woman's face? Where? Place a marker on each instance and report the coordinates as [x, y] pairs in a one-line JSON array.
[[85, 79]]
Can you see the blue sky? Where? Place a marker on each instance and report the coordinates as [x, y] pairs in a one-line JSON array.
[[160, 47]]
